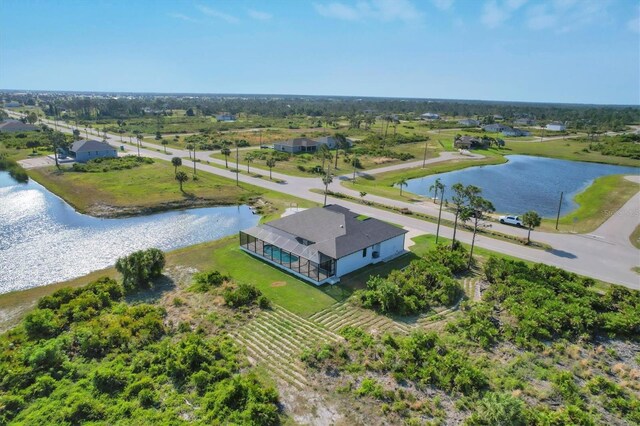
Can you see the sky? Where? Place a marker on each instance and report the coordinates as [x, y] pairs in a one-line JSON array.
[[569, 51]]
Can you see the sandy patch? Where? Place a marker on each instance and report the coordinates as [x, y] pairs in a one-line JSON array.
[[278, 284]]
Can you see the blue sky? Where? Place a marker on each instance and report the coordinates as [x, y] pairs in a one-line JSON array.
[[584, 51]]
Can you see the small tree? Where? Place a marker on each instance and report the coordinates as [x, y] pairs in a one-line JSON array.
[[531, 219], [76, 134], [177, 162], [362, 195], [324, 153], [249, 157], [459, 200], [189, 148], [401, 183], [181, 177], [158, 136], [438, 186], [271, 163], [164, 144]]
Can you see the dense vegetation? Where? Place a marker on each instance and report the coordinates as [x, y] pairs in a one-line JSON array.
[[14, 169], [100, 165], [536, 324], [415, 289], [627, 145], [85, 355]]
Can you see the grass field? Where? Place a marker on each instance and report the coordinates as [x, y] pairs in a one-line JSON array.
[[597, 203]]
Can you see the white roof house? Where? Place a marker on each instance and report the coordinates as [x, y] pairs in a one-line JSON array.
[[556, 126]]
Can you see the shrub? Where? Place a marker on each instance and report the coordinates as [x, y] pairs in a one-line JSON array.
[[106, 380], [204, 281], [140, 268], [498, 409], [242, 295]]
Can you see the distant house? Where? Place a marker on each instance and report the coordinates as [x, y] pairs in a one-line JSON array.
[[306, 145], [498, 117], [13, 126], [86, 150], [468, 142], [494, 128], [556, 126], [469, 122], [225, 116], [525, 122], [322, 244], [508, 131], [430, 116]]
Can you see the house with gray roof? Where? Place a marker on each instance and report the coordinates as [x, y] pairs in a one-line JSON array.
[[322, 244], [86, 150], [14, 126], [306, 144]]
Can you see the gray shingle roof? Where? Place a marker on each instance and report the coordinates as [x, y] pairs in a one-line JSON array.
[[16, 126], [297, 142], [334, 230], [90, 145]]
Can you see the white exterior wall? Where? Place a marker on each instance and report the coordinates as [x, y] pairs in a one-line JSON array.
[[354, 261], [350, 263], [556, 127], [392, 247], [84, 156]]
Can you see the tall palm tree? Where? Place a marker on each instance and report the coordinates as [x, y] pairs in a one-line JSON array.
[[165, 143], [341, 143], [226, 152], [401, 182], [181, 177], [249, 159], [438, 186], [324, 153], [478, 208], [271, 163], [459, 201], [326, 179], [177, 162], [139, 139], [189, 148]]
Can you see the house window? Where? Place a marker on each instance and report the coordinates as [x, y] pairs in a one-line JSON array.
[[364, 252]]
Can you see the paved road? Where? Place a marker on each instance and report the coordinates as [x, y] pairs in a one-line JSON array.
[[608, 258]]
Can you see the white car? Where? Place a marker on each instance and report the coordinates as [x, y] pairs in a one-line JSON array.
[[511, 220]]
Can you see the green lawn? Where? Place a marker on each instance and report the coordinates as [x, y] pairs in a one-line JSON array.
[[597, 203], [635, 237]]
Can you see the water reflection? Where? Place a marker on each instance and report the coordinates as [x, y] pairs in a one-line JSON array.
[[44, 240], [526, 182]]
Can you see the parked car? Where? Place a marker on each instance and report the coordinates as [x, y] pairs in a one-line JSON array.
[[511, 220]]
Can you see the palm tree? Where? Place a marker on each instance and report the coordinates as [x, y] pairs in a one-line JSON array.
[[435, 188], [226, 152], [478, 207], [401, 182], [177, 162], [531, 219], [341, 142], [139, 138], [324, 152], [438, 186], [459, 201], [189, 148], [326, 179], [362, 195], [271, 163], [165, 143], [181, 177]]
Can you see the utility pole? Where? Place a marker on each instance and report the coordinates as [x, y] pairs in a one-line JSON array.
[[424, 160], [355, 161], [559, 207], [194, 159]]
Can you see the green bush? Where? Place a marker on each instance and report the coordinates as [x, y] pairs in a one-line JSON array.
[[242, 295], [101, 165], [140, 268], [204, 281]]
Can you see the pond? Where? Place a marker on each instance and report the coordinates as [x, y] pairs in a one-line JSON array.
[[44, 240], [525, 183]]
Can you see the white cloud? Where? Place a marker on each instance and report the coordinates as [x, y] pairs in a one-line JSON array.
[[258, 15], [634, 24], [443, 4], [567, 15], [217, 14], [181, 17], [495, 13], [381, 10]]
